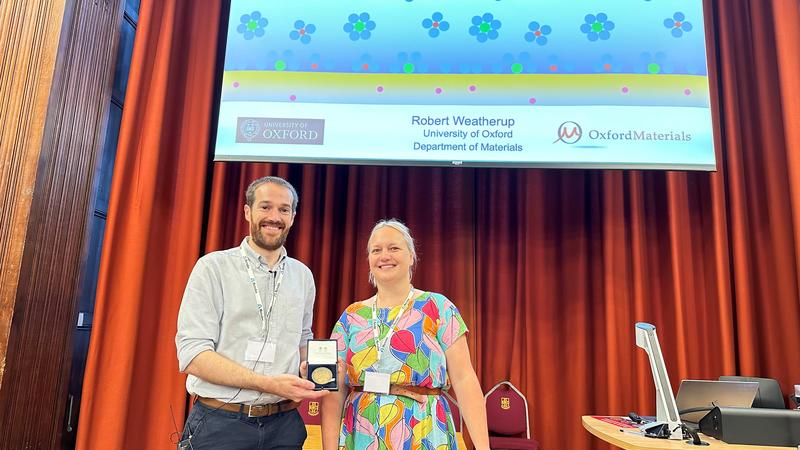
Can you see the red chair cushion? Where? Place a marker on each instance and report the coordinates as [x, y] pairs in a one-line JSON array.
[[510, 443]]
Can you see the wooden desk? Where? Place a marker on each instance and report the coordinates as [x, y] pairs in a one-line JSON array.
[[314, 439], [612, 434]]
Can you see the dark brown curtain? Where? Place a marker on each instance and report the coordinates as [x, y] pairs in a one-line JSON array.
[[550, 268]]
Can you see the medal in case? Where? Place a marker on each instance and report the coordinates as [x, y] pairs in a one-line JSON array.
[[322, 364]]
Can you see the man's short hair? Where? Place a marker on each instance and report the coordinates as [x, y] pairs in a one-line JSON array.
[[250, 194]]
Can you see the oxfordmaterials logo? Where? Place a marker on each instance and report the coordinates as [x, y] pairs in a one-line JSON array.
[[275, 130], [569, 133]]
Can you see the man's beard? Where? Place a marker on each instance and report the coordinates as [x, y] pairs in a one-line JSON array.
[[266, 243]]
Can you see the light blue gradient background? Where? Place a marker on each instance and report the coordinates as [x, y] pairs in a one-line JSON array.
[[638, 39]]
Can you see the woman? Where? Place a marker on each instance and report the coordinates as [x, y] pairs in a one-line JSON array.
[[398, 350]]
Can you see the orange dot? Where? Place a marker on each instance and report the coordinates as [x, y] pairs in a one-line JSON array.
[[314, 65], [365, 66], [607, 66], [553, 68]]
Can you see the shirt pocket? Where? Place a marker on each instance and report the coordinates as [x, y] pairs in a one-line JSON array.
[[292, 319]]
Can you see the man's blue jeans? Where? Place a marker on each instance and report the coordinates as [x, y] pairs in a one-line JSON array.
[[213, 429]]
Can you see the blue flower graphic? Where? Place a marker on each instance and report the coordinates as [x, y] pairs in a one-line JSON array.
[[252, 25], [435, 24], [605, 64], [518, 63], [302, 31], [410, 63], [366, 64], [597, 27], [653, 63], [678, 24], [359, 26], [538, 33], [485, 27]]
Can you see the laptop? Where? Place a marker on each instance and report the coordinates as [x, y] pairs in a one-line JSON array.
[[708, 394]]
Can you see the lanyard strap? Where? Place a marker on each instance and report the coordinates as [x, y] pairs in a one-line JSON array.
[[379, 345], [276, 285]]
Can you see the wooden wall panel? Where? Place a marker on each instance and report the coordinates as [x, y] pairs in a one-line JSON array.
[[29, 31], [52, 240]]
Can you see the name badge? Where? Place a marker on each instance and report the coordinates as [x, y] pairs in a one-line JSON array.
[[258, 350], [376, 382]]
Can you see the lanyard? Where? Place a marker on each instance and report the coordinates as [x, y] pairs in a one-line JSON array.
[[379, 345], [277, 285]]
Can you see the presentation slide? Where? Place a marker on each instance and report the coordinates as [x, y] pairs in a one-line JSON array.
[[516, 83]]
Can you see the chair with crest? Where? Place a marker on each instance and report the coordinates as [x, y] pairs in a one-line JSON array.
[[508, 419], [309, 410]]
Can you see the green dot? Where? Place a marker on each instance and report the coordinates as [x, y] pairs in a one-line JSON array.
[[359, 26], [485, 27], [408, 68], [280, 64], [653, 68], [516, 67], [252, 25], [597, 27]]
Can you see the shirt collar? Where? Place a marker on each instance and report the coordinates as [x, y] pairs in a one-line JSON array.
[[257, 257]]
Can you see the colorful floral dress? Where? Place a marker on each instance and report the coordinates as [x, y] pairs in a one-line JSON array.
[[414, 355]]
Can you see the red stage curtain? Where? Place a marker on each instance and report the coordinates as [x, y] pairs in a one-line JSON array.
[[550, 268], [131, 385]]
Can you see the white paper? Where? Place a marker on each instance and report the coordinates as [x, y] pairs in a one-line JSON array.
[[258, 350], [376, 382], [321, 351]]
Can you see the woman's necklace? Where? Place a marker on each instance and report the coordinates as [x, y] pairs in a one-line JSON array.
[[380, 344]]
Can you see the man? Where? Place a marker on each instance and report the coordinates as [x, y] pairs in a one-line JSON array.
[[242, 330]]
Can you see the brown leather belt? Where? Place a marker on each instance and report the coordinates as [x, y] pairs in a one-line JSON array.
[[251, 410], [418, 393]]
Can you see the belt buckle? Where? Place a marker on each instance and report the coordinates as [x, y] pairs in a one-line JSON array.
[[250, 410]]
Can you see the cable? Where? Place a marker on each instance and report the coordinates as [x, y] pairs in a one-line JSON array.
[[697, 409], [175, 436], [202, 418], [201, 421], [692, 437]]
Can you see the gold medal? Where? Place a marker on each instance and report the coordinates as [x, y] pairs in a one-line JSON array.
[[322, 375]]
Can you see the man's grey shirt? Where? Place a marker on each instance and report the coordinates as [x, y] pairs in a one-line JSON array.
[[219, 313]]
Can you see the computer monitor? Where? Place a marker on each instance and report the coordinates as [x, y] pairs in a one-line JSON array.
[[668, 422], [701, 396]]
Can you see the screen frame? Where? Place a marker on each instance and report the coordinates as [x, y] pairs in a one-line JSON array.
[[712, 74]]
